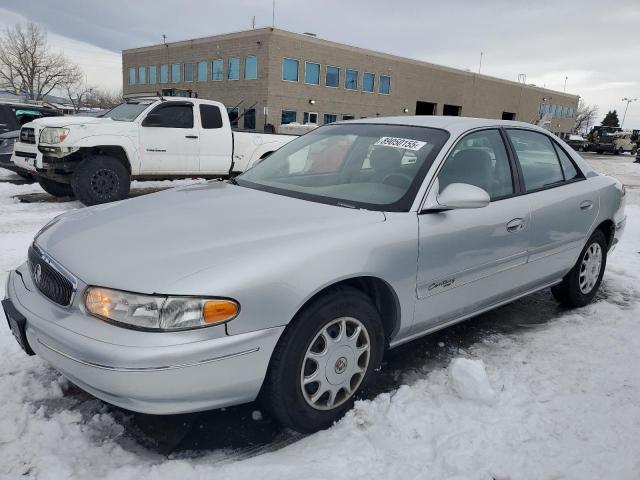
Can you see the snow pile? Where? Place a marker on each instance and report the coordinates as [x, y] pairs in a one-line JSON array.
[[470, 381], [568, 404]]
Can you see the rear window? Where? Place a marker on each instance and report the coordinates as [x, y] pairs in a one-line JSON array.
[[210, 116]]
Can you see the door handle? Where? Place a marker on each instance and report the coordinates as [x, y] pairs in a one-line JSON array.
[[515, 225], [190, 136], [586, 205]]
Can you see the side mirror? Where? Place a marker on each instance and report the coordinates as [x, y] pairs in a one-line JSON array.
[[460, 196], [152, 120]]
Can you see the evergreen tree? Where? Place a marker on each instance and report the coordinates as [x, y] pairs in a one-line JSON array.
[[611, 119]]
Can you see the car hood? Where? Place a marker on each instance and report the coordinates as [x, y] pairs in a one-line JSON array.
[[67, 121], [148, 243]]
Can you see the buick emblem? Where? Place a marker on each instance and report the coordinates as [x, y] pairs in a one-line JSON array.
[[38, 273]]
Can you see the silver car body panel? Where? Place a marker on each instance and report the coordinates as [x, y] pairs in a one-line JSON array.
[[272, 253]]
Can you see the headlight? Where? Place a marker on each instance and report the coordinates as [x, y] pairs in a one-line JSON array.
[[53, 135], [151, 312]]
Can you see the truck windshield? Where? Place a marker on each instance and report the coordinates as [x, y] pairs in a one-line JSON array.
[[127, 112], [371, 166]]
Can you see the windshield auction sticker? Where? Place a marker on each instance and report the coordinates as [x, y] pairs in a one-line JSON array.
[[405, 143]]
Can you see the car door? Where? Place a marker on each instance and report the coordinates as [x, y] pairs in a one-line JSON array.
[[169, 140], [563, 205], [470, 259], [216, 142]]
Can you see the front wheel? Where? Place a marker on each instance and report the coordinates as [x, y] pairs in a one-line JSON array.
[[101, 179], [323, 359], [57, 189], [581, 284]]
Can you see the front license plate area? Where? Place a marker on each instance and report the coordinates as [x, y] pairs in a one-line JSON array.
[[17, 324]]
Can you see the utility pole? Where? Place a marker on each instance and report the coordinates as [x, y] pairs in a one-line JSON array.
[[565, 83], [164, 39], [480, 66], [628, 100], [273, 15]]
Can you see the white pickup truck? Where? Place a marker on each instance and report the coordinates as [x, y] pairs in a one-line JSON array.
[[156, 138]]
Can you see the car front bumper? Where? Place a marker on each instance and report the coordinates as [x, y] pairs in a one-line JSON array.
[[151, 372]]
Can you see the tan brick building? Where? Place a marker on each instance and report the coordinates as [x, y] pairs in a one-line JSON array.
[[276, 77]]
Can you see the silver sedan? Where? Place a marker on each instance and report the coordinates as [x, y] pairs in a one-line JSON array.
[[289, 282]]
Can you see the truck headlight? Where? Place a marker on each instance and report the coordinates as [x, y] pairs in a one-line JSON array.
[[53, 135], [158, 312]]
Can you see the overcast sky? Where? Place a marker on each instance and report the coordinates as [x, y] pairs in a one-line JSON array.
[[594, 43]]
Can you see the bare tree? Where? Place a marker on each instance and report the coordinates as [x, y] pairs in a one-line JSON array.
[[78, 93], [585, 117], [28, 65], [99, 98]]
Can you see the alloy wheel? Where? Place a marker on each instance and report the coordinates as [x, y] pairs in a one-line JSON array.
[[104, 183]]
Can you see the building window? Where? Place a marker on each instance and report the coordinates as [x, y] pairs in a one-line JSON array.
[[175, 73], [333, 77], [153, 71], [368, 81], [234, 69], [312, 73], [164, 73], [202, 71], [217, 67], [310, 117], [290, 69], [351, 79], [249, 119], [451, 110], [288, 116], [508, 116], [348, 117], [188, 72], [142, 75], [251, 68], [384, 85], [132, 76], [330, 118]]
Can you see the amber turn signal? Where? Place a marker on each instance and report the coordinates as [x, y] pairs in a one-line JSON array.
[[218, 311]]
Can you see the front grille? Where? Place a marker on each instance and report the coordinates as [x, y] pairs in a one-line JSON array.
[[51, 282], [28, 135], [25, 154]]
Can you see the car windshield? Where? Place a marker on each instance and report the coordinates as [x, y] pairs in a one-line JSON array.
[[372, 166], [127, 112]]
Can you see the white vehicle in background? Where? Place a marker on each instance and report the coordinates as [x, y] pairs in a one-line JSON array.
[[155, 138]]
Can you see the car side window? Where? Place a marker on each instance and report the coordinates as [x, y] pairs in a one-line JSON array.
[[210, 116], [538, 160], [568, 168], [479, 159], [170, 116]]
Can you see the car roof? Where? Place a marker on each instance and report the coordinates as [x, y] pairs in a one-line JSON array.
[[452, 124]]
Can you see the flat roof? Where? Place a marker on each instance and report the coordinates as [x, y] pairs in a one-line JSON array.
[[343, 46]]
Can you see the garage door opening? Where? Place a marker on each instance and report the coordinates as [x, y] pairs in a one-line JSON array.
[[508, 116], [426, 108], [451, 110]]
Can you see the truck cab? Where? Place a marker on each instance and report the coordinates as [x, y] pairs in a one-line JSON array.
[[153, 138]]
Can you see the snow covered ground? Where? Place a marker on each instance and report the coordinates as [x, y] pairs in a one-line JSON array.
[[529, 391]]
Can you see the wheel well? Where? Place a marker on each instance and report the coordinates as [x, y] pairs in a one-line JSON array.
[[265, 155], [382, 295], [114, 151], [608, 229]]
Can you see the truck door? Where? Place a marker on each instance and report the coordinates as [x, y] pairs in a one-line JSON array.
[[216, 141], [169, 140]]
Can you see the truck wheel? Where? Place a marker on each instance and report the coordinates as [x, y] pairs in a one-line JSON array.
[[323, 359], [54, 188], [101, 179], [618, 151]]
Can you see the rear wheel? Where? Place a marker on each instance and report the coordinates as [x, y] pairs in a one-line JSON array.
[[581, 284], [101, 179], [57, 189], [323, 359]]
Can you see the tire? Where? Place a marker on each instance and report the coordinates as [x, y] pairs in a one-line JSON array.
[[282, 392], [101, 179], [54, 188], [578, 287]]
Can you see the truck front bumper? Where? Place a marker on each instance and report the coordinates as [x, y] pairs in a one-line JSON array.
[[156, 373]]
